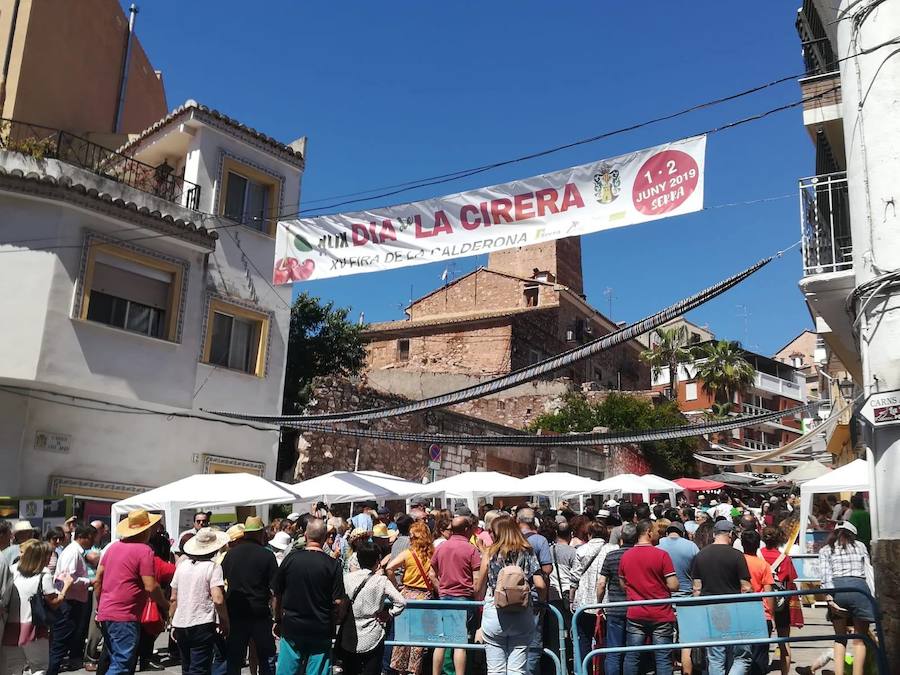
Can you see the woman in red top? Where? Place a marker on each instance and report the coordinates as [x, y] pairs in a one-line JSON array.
[[163, 570], [790, 613]]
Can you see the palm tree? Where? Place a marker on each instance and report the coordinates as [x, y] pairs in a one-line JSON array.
[[670, 352], [724, 370]]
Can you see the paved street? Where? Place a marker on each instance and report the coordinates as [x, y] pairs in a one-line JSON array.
[[804, 654]]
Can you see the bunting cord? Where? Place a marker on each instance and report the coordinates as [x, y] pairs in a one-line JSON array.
[[580, 439], [523, 375]]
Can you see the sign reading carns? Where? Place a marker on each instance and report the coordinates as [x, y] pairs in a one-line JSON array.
[[638, 187]]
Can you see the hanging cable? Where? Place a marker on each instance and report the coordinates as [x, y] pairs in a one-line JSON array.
[[532, 372], [530, 440]]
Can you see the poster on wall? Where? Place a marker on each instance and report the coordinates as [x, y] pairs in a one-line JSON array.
[[659, 182]]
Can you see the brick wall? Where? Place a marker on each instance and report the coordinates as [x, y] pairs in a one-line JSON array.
[[480, 291], [813, 86], [561, 257]]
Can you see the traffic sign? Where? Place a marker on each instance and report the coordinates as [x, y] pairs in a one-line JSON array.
[[882, 408], [434, 452]]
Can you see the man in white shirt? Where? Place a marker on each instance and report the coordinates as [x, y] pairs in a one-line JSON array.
[[67, 635], [722, 509]]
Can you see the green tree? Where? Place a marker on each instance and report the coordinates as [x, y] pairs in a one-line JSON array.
[[321, 341], [670, 352], [722, 368], [623, 412]]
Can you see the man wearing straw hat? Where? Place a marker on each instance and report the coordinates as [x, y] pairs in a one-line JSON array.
[[124, 579]]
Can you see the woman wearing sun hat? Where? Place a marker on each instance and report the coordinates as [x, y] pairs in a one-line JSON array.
[[198, 601], [124, 579]]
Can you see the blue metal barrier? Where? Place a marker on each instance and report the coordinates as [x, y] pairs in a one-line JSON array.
[[740, 635], [420, 626]]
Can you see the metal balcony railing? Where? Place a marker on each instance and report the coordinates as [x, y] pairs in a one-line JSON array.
[[44, 142], [756, 445], [825, 224]]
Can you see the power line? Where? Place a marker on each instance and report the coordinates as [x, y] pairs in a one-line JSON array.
[[527, 374], [575, 439], [120, 408]]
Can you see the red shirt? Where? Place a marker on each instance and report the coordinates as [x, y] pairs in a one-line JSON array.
[[163, 570], [786, 572], [455, 563], [644, 569], [122, 596]]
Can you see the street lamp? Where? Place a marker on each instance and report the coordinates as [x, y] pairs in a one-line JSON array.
[[847, 388]]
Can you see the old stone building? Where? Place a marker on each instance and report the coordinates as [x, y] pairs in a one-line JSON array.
[[525, 306]]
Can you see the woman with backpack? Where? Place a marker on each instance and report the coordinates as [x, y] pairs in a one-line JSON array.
[[788, 611], [509, 572], [26, 644]]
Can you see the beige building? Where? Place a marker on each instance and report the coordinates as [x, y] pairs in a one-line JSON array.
[[63, 67]]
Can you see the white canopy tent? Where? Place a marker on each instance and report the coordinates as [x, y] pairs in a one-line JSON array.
[[472, 485], [629, 483], [559, 485], [853, 477], [204, 490], [349, 486], [807, 471]]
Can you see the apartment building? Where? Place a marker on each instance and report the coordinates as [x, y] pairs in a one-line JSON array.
[[138, 296]]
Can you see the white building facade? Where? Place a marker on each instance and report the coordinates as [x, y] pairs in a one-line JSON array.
[[137, 296]]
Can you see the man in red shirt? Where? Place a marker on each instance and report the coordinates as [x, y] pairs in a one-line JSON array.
[[647, 573], [124, 580], [453, 568]]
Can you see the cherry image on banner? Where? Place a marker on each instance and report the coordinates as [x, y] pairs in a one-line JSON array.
[[650, 184]]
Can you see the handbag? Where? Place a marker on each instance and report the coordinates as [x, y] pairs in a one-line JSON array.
[[152, 622], [778, 585], [42, 615]]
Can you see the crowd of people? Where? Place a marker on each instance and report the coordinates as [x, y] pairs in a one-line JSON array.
[[316, 593]]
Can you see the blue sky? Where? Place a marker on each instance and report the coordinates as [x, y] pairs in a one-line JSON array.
[[394, 91]]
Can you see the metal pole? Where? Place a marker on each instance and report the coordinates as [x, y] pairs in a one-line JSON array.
[[120, 107]]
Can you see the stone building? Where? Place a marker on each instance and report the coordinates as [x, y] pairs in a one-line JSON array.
[[525, 306]]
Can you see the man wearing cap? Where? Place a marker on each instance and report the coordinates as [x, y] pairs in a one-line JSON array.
[[124, 580], [250, 570], [384, 516], [719, 569]]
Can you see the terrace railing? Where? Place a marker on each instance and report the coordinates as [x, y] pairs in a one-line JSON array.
[[44, 142]]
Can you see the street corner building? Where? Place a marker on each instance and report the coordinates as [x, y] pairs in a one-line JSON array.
[[135, 257]]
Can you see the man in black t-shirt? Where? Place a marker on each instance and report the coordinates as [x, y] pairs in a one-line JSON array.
[[249, 570], [309, 603], [720, 569]]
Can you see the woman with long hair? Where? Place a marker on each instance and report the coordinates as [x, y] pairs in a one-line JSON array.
[[790, 613], [26, 645], [508, 631], [416, 562], [843, 563], [705, 534], [579, 527]]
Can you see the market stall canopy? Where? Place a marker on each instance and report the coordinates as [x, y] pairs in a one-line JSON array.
[[348, 486], [632, 484], [473, 485], [205, 490], [852, 477], [699, 484], [558, 485], [732, 479], [807, 471]]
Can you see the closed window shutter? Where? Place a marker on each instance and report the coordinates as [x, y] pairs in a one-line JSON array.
[[130, 286]]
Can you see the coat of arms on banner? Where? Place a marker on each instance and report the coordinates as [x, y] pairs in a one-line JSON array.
[[606, 184]]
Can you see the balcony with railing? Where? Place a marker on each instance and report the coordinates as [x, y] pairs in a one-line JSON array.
[[776, 385], [825, 224], [44, 142]]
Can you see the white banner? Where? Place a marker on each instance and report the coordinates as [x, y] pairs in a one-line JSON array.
[[646, 185]]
